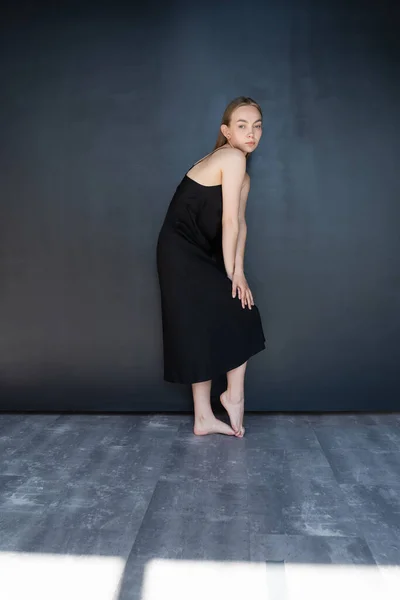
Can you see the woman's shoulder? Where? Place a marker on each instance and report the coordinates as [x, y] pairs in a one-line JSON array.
[[233, 157], [209, 169], [232, 154], [223, 155]]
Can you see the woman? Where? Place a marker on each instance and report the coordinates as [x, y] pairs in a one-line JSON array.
[[210, 323]]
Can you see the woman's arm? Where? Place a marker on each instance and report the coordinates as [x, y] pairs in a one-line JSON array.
[[233, 172], [241, 241]]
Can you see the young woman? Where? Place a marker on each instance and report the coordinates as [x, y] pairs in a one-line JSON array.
[[210, 322]]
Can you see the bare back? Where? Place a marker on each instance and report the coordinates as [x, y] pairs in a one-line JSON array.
[[207, 171]]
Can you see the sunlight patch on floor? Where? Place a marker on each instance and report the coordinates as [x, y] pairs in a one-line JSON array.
[[213, 580], [35, 576], [181, 579]]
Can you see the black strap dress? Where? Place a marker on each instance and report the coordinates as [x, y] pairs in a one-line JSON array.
[[206, 332]]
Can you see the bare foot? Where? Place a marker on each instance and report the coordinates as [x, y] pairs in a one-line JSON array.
[[212, 425], [241, 434], [235, 411]]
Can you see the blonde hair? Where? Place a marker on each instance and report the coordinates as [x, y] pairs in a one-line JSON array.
[[227, 116]]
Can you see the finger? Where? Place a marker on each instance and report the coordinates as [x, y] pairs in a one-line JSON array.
[[240, 294], [233, 290], [251, 297], [246, 300], [251, 303]]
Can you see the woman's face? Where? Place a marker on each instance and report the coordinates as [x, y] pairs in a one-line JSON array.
[[245, 129]]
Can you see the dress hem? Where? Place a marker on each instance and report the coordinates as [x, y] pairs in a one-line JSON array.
[[220, 372]]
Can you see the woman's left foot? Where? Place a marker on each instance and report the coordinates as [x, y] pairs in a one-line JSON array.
[[241, 433], [212, 426], [235, 411]]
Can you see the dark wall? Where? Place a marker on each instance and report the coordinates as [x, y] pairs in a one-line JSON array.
[[103, 111]]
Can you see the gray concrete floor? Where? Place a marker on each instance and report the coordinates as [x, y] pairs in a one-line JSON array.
[[306, 490]]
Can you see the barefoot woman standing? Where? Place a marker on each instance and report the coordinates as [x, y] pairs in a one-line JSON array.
[[210, 323]]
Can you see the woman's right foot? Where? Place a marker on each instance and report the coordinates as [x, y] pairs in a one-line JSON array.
[[235, 411], [213, 425]]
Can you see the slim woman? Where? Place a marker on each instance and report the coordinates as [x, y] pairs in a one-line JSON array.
[[210, 323]]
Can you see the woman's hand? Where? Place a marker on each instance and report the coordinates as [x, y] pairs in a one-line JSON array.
[[241, 287]]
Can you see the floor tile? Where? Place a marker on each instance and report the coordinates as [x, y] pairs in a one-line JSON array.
[[204, 500], [184, 536], [376, 438], [376, 508], [386, 418], [77, 542], [364, 466], [341, 419], [207, 458], [307, 549], [264, 464], [280, 435]]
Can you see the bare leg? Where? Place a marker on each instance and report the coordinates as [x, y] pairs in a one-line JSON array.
[[233, 398], [204, 419]]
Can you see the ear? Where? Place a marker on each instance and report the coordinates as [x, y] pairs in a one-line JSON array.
[[224, 130]]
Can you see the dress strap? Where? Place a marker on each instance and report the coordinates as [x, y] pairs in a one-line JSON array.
[[204, 157]]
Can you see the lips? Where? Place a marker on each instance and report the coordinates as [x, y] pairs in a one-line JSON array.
[[250, 143]]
